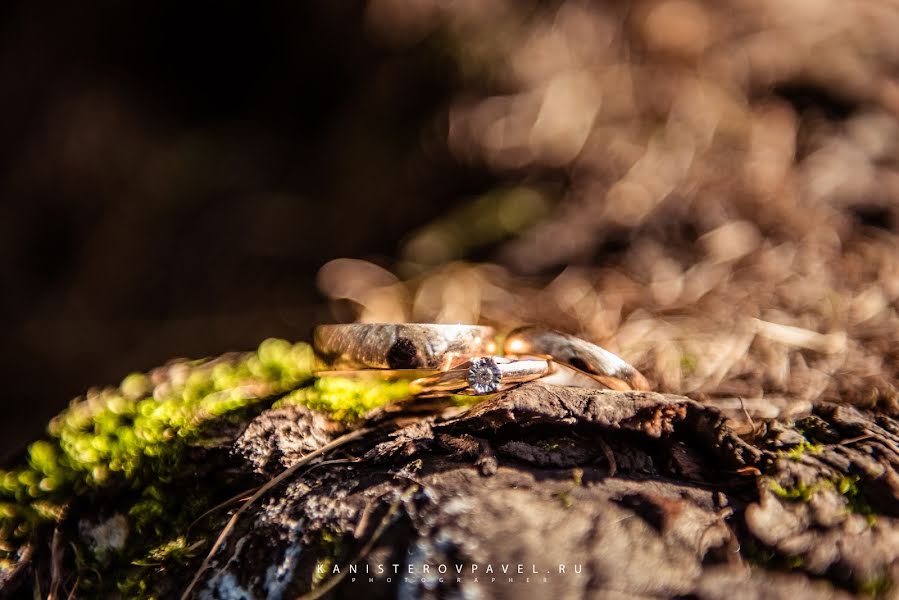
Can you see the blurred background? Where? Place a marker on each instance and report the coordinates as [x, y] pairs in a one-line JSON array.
[[709, 188]]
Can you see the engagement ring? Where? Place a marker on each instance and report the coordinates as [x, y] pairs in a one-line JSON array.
[[460, 359], [484, 375]]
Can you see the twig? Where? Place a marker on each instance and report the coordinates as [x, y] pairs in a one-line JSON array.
[[221, 505], [247, 493], [363, 520], [71, 595], [55, 565], [748, 416], [336, 461], [366, 549], [78, 560], [610, 456], [261, 492], [860, 438], [410, 478]]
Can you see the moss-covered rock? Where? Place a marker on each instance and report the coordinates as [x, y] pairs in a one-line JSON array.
[[137, 444]]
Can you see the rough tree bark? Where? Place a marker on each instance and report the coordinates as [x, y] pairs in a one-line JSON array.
[[638, 495]]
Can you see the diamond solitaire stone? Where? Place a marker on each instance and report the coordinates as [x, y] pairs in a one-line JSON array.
[[484, 376]]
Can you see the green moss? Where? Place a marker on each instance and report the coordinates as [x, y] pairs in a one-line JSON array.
[[577, 475], [756, 554], [564, 498], [134, 586], [131, 443], [466, 400], [330, 549], [759, 555], [799, 492], [134, 437], [178, 550], [877, 587], [796, 452], [548, 444], [856, 500], [346, 399], [688, 363], [848, 486]]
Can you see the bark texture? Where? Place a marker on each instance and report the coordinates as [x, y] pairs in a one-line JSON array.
[[638, 495]]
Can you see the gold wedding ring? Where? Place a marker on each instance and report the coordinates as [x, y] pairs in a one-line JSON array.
[[401, 345], [459, 359], [607, 368]]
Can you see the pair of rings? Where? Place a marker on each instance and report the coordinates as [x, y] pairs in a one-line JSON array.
[[463, 359]]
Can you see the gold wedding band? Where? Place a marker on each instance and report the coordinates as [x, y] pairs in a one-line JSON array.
[[401, 345], [605, 367], [459, 359]]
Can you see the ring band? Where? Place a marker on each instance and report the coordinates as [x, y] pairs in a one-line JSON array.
[[463, 380], [459, 359], [605, 367], [484, 375], [401, 345]]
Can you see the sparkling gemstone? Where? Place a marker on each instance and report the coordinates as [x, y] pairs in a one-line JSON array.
[[484, 376]]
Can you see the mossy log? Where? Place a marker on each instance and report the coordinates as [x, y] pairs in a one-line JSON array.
[[634, 495]]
